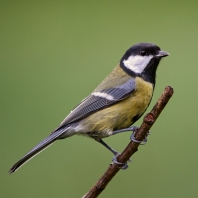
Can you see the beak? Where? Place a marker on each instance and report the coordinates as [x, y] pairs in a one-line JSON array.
[[162, 54]]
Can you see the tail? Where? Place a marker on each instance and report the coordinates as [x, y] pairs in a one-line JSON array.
[[37, 149]]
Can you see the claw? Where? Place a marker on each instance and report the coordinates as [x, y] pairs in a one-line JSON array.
[[143, 142], [132, 137], [124, 165]]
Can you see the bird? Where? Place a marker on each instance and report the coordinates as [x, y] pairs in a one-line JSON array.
[[116, 104]]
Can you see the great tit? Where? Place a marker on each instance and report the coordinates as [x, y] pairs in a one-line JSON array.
[[119, 101]]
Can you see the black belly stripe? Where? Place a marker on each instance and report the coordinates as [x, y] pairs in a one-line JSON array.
[[135, 118]]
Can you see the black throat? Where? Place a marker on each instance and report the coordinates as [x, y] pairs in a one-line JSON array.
[[149, 73]]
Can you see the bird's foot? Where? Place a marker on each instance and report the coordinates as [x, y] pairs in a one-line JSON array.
[[122, 166], [132, 137]]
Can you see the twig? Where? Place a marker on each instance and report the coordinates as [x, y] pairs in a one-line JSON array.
[[132, 147]]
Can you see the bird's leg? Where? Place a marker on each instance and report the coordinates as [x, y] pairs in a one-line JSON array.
[[132, 137], [116, 154], [132, 128], [107, 146]]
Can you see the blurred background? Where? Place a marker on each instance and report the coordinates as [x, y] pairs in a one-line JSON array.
[[53, 54]]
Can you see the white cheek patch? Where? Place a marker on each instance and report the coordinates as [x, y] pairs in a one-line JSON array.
[[137, 63], [103, 95]]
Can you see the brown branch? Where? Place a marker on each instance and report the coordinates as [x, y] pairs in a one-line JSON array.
[[132, 147]]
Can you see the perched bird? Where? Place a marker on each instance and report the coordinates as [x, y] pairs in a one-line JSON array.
[[119, 101]]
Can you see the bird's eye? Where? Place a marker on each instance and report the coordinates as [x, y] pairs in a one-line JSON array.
[[143, 53]]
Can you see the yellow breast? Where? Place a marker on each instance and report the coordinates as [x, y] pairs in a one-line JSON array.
[[123, 114]]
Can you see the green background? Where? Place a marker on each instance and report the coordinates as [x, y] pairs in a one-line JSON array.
[[53, 54]]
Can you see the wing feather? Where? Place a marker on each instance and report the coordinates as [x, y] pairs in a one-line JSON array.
[[100, 100]]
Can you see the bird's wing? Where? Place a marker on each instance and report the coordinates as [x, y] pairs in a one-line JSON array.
[[100, 100]]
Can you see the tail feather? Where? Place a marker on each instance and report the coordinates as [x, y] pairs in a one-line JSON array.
[[37, 149]]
